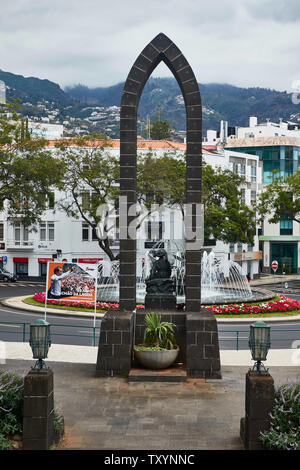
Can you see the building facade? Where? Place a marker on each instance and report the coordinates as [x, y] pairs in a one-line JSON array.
[[26, 252]]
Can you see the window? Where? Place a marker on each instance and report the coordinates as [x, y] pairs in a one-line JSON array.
[[243, 170], [1, 231], [85, 232], [243, 196], [253, 174], [94, 235], [47, 231], [249, 247], [42, 232], [286, 226], [51, 200], [154, 230], [85, 201], [231, 247], [253, 196], [235, 168], [239, 247], [51, 231]]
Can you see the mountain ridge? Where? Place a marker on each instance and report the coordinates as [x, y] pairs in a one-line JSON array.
[[220, 101]]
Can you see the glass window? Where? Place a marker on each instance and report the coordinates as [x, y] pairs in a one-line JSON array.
[[51, 200], [94, 235], [51, 231], [253, 196], [85, 232], [85, 201], [231, 247], [43, 231], [21, 268], [253, 174], [286, 227], [243, 196], [1, 231], [239, 247], [235, 168], [243, 170]]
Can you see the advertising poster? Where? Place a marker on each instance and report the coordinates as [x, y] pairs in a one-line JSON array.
[[71, 281]]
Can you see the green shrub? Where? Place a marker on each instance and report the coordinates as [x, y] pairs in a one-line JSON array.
[[4, 443], [11, 403], [284, 432], [159, 333]]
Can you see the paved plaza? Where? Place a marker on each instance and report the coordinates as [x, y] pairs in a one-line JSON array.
[[115, 414]]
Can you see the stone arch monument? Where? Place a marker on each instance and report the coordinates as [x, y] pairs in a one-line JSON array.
[[161, 48], [197, 333]]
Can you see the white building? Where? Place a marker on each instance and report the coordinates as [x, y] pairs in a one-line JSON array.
[[26, 253], [46, 130]]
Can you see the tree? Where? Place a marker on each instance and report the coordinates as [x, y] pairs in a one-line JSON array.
[[226, 218], [28, 171], [281, 199], [160, 129], [90, 181]]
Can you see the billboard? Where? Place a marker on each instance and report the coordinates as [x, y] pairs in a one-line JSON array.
[[71, 281]]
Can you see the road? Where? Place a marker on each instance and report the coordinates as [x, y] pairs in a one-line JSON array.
[[66, 330]]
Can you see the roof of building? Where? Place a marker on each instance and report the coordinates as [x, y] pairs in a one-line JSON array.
[[263, 141], [141, 144]]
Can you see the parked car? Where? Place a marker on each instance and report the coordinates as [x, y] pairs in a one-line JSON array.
[[7, 276]]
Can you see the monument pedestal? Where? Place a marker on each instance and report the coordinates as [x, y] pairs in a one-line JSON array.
[[160, 302]]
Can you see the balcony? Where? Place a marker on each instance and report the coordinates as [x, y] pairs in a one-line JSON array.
[[19, 245]]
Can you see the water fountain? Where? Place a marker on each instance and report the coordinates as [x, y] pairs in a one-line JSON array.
[[222, 281]]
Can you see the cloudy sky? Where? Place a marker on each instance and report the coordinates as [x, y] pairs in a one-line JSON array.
[[95, 42]]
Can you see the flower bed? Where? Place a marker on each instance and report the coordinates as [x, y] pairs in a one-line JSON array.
[[40, 298], [285, 304]]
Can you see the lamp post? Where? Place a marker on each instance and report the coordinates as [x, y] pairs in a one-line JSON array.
[[259, 344], [40, 342]]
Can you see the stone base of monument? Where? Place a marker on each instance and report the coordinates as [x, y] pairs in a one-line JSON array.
[[115, 344], [160, 302], [196, 335]]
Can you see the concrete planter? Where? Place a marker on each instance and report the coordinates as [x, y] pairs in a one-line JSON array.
[[160, 359]]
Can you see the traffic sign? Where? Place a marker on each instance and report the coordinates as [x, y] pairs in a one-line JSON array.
[[4, 259], [274, 265]]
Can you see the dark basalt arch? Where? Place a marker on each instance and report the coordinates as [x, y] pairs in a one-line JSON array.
[[161, 48]]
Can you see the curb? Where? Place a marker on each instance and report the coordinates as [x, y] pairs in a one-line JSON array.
[[9, 302], [22, 306]]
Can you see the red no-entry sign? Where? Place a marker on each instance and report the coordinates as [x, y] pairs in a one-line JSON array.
[[274, 265]]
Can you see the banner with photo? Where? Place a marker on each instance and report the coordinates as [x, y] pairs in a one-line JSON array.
[[72, 281]]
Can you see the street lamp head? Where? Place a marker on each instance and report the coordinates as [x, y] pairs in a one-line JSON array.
[[259, 344], [40, 341]]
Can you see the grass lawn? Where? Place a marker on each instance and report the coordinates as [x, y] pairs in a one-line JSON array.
[[30, 301]]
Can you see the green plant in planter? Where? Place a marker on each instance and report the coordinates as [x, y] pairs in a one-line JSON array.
[[284, 432], [159, 334]]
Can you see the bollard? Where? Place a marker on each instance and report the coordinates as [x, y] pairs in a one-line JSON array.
[[38, 415], [259, 402]]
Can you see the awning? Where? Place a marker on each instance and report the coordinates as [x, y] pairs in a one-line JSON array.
[[20, 260]]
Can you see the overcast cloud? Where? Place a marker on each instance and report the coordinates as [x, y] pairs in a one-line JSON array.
[[95, 42]]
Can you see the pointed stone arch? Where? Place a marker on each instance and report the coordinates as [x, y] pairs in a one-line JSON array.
[[161, 48]]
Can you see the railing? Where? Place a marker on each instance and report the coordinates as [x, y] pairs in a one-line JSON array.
[[25, 329], [26, 244], [238, 339]]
